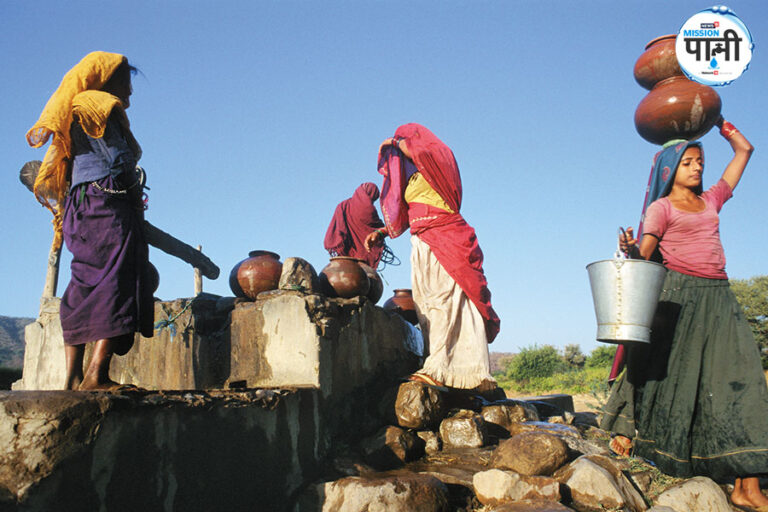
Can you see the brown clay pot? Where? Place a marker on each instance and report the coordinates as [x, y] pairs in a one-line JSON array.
[[258, 273], [376, 289], [344, 277], [402, 303], [677, 108], [658, 62], [152, 276]]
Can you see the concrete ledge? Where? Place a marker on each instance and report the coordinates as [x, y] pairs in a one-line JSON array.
[[157, 451], [284, 339]]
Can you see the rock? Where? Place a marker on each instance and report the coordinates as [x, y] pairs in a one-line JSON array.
[[418, 406], [585, 419], [431, 440], [465, 429], [551, 405], [661, 509], [348, 465], [385, 407], [698, 493], [569, 434], [531, 453], [595, 482], [299, 275], [390, 447], [500, 416], [530, 506], [408, 493], [642, 480], [558, 429], [495, 487]]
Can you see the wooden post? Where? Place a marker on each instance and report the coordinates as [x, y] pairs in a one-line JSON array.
[[52, 274], [198, 277]]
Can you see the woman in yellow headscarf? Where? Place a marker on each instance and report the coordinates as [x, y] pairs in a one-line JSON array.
[[89, 181]]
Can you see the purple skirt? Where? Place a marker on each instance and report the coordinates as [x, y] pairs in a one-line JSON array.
[[109, 292]]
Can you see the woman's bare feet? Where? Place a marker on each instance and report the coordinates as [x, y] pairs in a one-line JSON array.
[[747, 493], [90, 384], [621, 445]]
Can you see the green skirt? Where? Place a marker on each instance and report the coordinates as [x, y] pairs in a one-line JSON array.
[[695, 399]]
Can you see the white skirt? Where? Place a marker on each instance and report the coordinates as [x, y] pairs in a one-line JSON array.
[[453, 329]]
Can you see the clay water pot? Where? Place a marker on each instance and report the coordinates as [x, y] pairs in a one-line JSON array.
[[344, 277], [152, 276], [402, 304], [658, 62], [677, 108], [258, 273], [376, 285]]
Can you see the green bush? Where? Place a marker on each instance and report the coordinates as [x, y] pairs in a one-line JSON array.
[[535, 362], [586, 380], [601, 357], [573, 356]]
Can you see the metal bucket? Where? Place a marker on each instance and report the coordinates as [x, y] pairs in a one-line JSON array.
[[625, 293]]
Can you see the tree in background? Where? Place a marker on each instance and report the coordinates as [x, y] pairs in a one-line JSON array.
[[752, 294], [601, 357], [573, 356], [535, 361]]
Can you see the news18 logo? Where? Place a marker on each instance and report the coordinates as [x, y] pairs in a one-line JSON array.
[[714, 46]]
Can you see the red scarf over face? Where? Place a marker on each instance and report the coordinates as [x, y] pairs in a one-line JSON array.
[[451, 239], [352, 221]]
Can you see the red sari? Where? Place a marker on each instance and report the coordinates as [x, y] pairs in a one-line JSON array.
[[448, 235], [352, 221]]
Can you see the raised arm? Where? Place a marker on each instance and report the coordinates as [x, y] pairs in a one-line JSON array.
[[399, 143], [742, 151]]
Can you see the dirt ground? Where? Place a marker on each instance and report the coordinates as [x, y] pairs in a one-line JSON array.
[[581, 403]]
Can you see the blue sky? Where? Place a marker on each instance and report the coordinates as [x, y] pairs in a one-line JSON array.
[[257, 118]]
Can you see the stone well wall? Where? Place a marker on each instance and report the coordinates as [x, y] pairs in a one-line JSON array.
[[242, 404]]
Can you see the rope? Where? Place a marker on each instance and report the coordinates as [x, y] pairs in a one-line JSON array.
[[388, 258], [170, 322]]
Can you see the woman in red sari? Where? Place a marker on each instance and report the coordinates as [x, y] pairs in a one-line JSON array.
[[422, 191], [352, 221]]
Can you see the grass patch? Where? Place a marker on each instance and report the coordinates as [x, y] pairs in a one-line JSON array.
[[581, 381]]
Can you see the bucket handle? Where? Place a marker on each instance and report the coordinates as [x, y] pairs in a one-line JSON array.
[[619, 257]]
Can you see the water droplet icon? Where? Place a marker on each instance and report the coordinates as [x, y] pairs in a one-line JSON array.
[[713, 63]]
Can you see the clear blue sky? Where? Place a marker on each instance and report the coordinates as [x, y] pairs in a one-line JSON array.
[[256, 118]]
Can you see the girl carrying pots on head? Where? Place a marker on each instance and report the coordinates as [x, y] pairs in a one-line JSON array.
[[89, 174], [695, 400], [422, 191]]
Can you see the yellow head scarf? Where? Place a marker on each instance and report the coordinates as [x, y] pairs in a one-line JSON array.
[[78, 93]]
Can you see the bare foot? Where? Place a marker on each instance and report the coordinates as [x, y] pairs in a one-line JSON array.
[[94, 385], [621, 445], [425, 379], [73, 383], [747, 493]]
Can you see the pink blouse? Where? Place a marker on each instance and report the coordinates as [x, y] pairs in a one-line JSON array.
[[690, 242]]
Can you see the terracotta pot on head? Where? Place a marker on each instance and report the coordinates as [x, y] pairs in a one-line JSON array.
[[676, 107]]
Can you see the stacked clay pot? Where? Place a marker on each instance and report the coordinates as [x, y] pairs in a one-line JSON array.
[[402, 304], [152, 276], [344, 277], [260, 272], [676, 107], [376, 285]]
